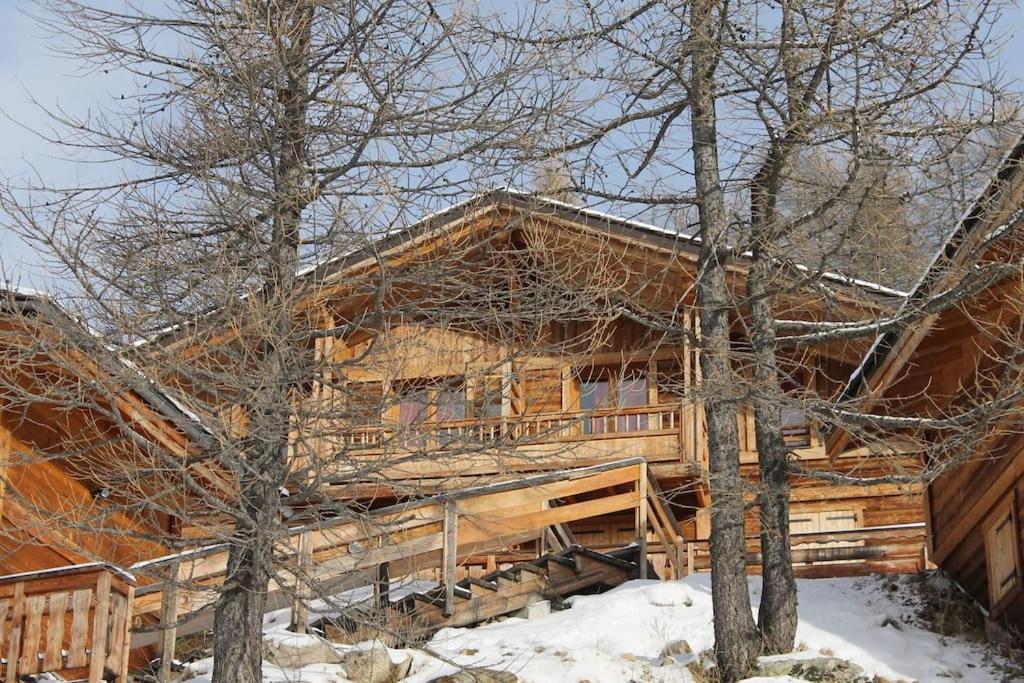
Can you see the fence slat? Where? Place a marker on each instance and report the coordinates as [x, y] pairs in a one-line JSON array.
[[17, 615], [100, 626], [81, 601], [34, 606], [5, 606], [55, 632]]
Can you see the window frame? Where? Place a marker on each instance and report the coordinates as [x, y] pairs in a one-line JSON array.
[[1004, 513]]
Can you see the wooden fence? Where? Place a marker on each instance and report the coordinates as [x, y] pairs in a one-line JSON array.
[[892, 549], [74, 621]]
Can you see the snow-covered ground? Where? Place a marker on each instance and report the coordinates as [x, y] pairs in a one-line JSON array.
[[621, 635]]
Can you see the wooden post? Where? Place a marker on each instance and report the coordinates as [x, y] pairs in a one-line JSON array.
[[641, 520], [122, 669], [169, 621], [682, 553], [101, 620], [382, 586], [449, 552], [17, 617], [302, 594]]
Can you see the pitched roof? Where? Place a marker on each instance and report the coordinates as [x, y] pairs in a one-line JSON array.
[[949, 255], [23, 301], [547, 206]]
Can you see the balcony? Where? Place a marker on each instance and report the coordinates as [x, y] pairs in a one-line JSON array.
[[672, 437]]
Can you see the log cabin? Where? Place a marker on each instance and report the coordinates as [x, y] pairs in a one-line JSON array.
[[962, 361], [534, 335], [70, 411]]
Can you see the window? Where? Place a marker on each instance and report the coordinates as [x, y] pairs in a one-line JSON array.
[[488, 399], [608, 388], [1001, 555], [824, 521], [594, 393]]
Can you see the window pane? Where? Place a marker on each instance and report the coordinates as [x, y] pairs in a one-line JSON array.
[[632, 392], [451, 404], [488, 398], [411, 411], [593, 394]]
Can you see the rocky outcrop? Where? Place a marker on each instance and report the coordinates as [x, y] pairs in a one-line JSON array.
[[816, 669], [374, 665], [478, 676]]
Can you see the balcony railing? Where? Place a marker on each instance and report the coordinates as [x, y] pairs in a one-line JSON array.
[[686, 422], [531, 428], [70, 620]]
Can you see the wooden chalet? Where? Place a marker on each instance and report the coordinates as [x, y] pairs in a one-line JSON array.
[[953, 362], [459, 400]]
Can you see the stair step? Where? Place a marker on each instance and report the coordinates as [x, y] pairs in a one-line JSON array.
[[480, 583], [562, 560], [500, 574], [531, 568]]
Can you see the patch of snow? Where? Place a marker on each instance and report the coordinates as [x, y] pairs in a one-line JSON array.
[[620, 636]]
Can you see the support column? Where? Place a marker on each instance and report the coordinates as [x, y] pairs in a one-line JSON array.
[[449, 554], [641, 520], [169, 621], [301, 591]]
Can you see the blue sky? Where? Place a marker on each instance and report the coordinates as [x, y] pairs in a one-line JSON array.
[[29, 70]]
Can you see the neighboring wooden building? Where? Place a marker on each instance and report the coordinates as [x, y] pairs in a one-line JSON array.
[[59, 392], [956, 359]]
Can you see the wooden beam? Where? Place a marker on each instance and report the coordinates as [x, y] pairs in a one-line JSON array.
[[302, 593], [169, 622], [641, 520], [450, 553], [101, 618]]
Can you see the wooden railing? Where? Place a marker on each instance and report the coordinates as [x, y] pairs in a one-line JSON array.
[[687, 422], [539, 428], [885, 549], [414, 536], [73, 621]]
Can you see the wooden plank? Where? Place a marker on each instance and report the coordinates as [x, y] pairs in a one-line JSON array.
[[101, 620], [641, 519], [17, 616], [29, 662], [119, 615], [169, 622], [5, 606], [81, 601], [302, 589], [450, 552], [53, 659], [122, 668]]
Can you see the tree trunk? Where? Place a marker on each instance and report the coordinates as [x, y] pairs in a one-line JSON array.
[[282, 353], [238, 621], [777, 613], [736, 642]]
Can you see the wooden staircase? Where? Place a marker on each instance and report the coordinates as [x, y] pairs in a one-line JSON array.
[[552, 576]]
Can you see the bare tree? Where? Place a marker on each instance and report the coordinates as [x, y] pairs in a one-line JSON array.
[[719, 106], [260, 139]]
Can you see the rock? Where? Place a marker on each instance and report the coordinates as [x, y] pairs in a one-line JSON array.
[[298, 651], [541, 608], [820, 669], [478, 676], [676, 647], [374, 665]]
